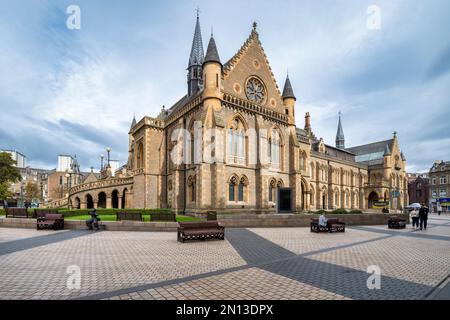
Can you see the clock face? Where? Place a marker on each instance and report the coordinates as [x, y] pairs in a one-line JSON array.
[[255, 90]]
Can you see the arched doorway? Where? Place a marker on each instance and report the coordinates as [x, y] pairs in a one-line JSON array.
[[115, 199], [77, 203], [124, 199], [89, 202], [101, 200], [373, 197]]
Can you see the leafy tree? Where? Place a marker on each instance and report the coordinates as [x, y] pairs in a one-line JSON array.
[[32, 191], [8, 174], [4, 191]]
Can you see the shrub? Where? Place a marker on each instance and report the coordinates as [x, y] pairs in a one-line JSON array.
[[321, 211], [355, 211], [339, 211], [79, 212]]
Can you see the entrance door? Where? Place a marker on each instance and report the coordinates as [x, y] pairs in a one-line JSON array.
[[284, 200], [373, 197]]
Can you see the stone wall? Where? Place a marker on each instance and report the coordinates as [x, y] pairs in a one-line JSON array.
[[301, 220]]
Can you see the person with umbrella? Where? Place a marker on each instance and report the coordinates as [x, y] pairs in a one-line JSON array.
[[414, 214]]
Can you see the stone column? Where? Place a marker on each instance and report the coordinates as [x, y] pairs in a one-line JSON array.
[[119, 202], [108, 202], [82, 205], [95, 203]]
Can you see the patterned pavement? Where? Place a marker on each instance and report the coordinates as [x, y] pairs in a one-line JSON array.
[[264, 263]]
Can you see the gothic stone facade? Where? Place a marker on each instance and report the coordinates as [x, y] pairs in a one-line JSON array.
[[247, 145]]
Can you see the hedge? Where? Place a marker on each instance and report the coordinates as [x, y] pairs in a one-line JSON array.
[[100, 211], [79, 212], [338, 211]]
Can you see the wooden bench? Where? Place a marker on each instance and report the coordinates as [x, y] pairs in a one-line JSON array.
[[39, 213], [16, 213], [200, 231], [167, 217], [396, 223], [129, 216], [333, 225], [54, 221]]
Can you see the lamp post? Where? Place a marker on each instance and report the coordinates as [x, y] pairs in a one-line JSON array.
[[101, 162], [108, 150], [69, 178]]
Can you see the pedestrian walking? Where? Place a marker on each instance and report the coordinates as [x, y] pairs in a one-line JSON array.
[[423, 217], [439, 209]]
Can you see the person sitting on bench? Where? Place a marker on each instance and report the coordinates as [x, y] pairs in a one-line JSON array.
[[322, 221], [93, 221]]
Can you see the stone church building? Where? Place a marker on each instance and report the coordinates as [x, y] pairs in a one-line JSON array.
[[231, 142]]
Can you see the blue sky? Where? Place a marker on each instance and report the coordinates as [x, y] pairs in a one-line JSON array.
[[75, 91]]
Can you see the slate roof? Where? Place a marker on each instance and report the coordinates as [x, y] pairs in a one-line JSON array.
[[288, 92], [211, 53], [197, 54], [372, 153]]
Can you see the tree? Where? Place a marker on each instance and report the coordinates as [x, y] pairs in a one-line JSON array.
[[4, 191], [32, 191], [8, 174]]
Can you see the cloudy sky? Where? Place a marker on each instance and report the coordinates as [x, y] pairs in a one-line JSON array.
[[75, 91]]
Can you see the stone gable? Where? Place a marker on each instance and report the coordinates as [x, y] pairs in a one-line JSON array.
[[252, 61]]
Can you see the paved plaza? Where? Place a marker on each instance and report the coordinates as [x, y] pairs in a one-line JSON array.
[[253, 263]]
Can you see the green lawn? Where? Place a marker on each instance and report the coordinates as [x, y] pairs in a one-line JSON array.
[[112, 217]]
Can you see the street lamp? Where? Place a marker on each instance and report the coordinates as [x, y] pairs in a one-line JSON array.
[[101, 162], [108, 150], [69, 178]]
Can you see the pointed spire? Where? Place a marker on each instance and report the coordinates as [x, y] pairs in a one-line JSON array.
[[212, 55], [340, 139], [287, 91], [387, 151], [133, 123], [197, 53]]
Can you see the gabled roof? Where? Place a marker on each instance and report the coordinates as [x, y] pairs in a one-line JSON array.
[[253, 38], [371, 153], [387, 151]]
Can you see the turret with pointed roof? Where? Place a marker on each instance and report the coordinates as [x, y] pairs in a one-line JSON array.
[[212, 55], [340, 139], [288, 92], [196, 57]]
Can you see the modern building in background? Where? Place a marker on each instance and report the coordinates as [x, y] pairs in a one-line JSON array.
[[64, 163], [20, 158], [418, 188], [439, 177]]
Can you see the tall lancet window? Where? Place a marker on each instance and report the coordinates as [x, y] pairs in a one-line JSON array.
[[275, 149], [236, 142]]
